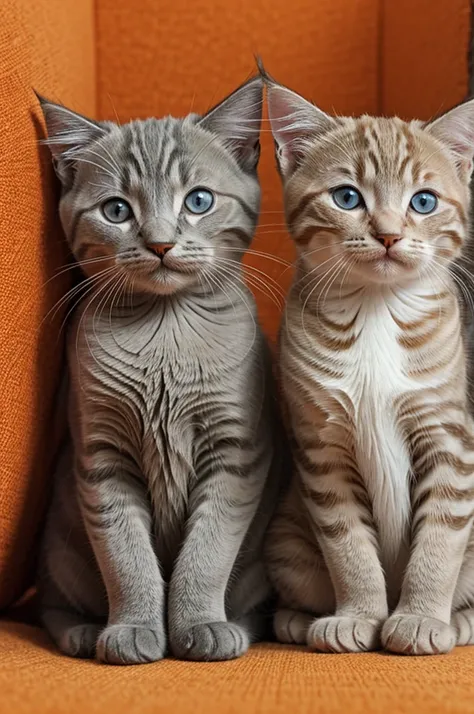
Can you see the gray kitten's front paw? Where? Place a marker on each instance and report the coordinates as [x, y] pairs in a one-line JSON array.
[[131, 644], [80, 641], [209, 642], [344, 634], [417, 635]]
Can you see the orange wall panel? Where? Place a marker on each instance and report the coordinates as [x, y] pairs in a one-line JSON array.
[[424, 56]]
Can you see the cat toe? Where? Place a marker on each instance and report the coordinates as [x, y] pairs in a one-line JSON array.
[[291, 626], [131, 644], [417, 635], [80, 641], [344, 634], [212, 641]]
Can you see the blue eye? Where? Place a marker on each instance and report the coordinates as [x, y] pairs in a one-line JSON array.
[[347, 198], [116, 210], [199, 200], [424, 202]]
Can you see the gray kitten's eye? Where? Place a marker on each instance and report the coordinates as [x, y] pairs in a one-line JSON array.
[[116, 210], [347, 198], [424, 202], [199, 200]]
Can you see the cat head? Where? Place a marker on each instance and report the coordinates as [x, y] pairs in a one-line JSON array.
[[387, 197], [168, 203]]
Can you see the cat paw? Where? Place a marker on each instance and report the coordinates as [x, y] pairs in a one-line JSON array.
[[209, 642], [344, 634], [417, 635], [291, 627], [463, 623], [80, 641], [131, 644]]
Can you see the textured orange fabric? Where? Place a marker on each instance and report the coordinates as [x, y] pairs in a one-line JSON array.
[[47, 44], [269, 680], [157, 58]]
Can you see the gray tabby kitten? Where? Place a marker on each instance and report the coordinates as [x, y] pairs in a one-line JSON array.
[[154, 536]]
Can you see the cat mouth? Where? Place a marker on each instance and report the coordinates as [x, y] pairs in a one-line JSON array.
[[386, 260]]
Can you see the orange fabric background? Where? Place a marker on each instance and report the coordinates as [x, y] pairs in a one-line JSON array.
[[141, 57], [49, 45]]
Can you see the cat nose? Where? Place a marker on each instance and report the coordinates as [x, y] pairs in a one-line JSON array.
[[388, 239], [160, 249]]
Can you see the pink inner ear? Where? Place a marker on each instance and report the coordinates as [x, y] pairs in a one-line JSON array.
[[456, 130], [284, 114], [281, 115]]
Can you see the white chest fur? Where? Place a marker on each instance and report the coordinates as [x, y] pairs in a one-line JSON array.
[[374, 379], [374, 376]]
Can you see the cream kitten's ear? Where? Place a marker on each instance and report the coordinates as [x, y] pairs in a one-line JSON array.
[[237, 121], [455, 129], [68, 134], [294, 121]]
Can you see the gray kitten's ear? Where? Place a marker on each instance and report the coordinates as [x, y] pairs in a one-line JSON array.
[[68, 134], [237, 121], [294, 121], [455, 129]]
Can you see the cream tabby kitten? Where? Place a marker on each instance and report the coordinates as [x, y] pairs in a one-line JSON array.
[[373, 543]]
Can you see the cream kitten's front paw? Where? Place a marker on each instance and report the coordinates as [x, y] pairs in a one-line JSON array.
[[417, 635], [344, 634]]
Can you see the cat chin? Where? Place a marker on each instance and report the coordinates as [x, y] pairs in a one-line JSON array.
[[383, 272], [171, 283]]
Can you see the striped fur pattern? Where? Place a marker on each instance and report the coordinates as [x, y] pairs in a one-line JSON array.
[[154, 538], [373, 545]]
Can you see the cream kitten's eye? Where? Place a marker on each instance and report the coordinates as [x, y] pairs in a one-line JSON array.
[[116, 210], [199, 200], [424, 202], [347, 198]]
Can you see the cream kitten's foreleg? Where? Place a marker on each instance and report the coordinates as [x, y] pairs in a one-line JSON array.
[[348, 542], [441, 527]]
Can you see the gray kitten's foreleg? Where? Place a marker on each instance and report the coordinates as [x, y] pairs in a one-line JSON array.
[[117, 516], [222, 506]]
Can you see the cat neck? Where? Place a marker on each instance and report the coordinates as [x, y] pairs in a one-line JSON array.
[[329, 292], [199, 322], [210, 298]]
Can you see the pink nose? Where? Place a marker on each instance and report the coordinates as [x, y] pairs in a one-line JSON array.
[[388, 240], [160, 248]]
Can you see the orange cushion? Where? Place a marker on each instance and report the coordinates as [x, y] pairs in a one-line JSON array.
[[268, 680], [47, 44]]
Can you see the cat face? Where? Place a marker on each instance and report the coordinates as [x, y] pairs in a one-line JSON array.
[[382, 200], [165, 203]]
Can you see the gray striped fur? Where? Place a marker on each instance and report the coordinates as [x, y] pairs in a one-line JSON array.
[[153, 540]]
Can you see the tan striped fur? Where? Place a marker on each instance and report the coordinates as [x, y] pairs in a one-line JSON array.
[[373, 543]]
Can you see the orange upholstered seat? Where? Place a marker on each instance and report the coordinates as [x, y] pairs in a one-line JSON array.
[[133, 58]]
